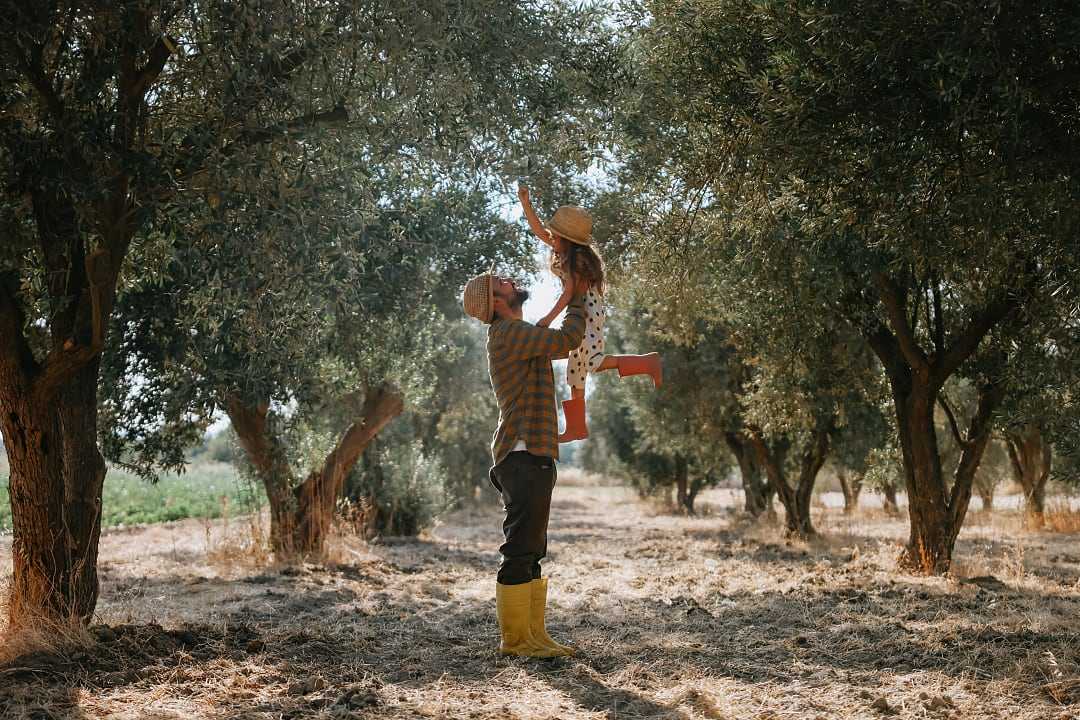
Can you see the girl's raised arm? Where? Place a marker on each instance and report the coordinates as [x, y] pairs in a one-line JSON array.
[[560, 305], [534, 222]]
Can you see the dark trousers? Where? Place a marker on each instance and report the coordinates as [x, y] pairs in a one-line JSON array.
[[525, 482]]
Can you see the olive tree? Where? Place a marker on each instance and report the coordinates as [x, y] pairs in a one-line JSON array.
[[925, 159], [120, 119]]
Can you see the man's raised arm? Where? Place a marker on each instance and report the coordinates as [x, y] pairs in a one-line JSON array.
[[521, 340]]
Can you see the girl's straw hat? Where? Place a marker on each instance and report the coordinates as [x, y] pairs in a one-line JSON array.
[[478, 300], [572, 223]]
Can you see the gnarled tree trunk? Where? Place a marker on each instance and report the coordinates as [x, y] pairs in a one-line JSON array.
[[916, 378], [301, 513], [49, 419], [889, 502], [796, 500], [757, 494], [261, 445], [937, 513], [851, 485], [48, 405], [684, 496], [1031, 458]]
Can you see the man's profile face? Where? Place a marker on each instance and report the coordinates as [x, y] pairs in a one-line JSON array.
[[510, 293]]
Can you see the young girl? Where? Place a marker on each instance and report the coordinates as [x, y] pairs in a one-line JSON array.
[[569, 234]]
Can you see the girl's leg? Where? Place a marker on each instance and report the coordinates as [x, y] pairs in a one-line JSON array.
[[610, 362], [577, 371], [648, 364], [574, 416]]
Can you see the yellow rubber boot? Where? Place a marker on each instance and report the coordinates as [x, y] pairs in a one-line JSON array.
[[512, 603], [537, 625]]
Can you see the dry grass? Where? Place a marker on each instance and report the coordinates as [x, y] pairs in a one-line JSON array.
[[1060, 516], [237, 542], [38, 637], [675, 617]]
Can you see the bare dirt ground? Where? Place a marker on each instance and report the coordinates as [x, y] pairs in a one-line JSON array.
[[675, 617]]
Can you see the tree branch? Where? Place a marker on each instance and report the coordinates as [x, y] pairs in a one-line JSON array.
[[968, 340], [256, 136], [1014, 458], [916, 306], [36, 75], [249, 424], [990, 395], [887, 349], [939, 319], [381, 405], [773, 470], [15, 351], [159, 55], [892, 298], [952, 420], [250, 137], [60, 364]]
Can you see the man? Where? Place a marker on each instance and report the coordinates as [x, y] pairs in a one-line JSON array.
[[524, 450]]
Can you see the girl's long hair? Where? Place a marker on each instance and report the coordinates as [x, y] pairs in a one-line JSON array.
[[583, 262]]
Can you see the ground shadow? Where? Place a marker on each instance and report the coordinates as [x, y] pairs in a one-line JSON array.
[[340, 647]]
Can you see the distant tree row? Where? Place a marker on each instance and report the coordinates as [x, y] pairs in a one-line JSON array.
[[874, 206]]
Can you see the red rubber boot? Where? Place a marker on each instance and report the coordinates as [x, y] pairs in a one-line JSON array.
[[642, 365], [574, 414]]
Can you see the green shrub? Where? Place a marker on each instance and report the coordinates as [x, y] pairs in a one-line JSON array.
[[401, 489]]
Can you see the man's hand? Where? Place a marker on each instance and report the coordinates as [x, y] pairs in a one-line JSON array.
[[545, 321], [523, 193]]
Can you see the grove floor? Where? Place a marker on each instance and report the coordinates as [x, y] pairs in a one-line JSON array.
[[675, 617]]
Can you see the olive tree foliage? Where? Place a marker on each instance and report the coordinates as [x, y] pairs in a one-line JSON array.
[[1038, 423], [910, 169], [456, 424], [679, 429], [867, 429], [437, 455], [133, 132], [329, 336]]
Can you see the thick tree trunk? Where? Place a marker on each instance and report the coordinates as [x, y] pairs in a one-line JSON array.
[[55, 485], [683, 498], [692, 493], [54, 552], [49, 419], [267, 457], [937, 514], [84, 470], [916, 377], [301, 515], [851, 486], [889, 503], [796, 500], [1031, 458], [756, 491]]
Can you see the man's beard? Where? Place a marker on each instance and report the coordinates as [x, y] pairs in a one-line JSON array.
[[518, 299]]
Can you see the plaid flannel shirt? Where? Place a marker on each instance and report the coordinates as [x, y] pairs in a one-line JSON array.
[[519, 362]]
